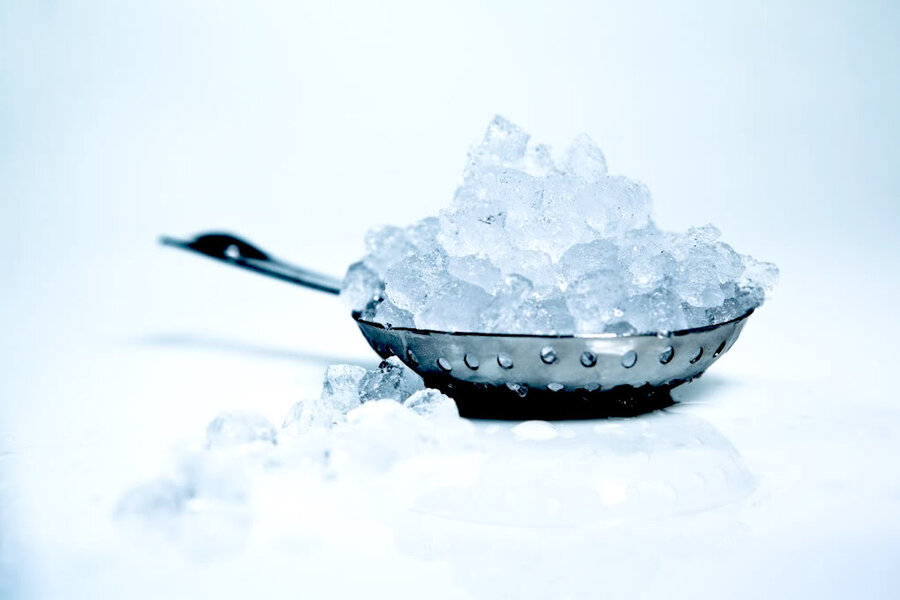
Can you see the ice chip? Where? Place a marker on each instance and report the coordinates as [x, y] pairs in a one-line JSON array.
[[362, 286], [385, 246], [340, 394], [238, 428], [432, 404], [392, 380], [389, 315], [340, 387], [585, 160], [505, 140]]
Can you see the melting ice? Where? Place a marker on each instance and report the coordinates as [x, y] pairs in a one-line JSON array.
[[378, 443], [530, 244]]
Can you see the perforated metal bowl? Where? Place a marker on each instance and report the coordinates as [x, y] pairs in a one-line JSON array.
[[513, 375], [561, 376]]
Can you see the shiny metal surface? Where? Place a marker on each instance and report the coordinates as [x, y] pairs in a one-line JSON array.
[[557, 363]]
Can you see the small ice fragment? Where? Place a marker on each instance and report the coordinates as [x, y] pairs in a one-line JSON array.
[[392, 380], [386, 245], [535, 431], [432, 404], [387, 313], [340, 387], [584, 159], [237, 428], [340, 394], [362, 286], [504, 140]]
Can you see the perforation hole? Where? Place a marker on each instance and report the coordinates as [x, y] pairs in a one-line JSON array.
[[697, 355], [444, 364], [588, 358], [505, 361], [411, 357], [548, 355], [472, 362], [719, 349], [629, 359], [667, 355]]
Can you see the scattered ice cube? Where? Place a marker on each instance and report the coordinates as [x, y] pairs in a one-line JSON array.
[[432, 404], [340, 394], [392, 380], [238, 428], [340, 387]]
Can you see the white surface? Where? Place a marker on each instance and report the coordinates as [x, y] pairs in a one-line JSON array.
[[298, 127]]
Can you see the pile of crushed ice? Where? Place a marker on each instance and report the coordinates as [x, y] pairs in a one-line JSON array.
[[377, 446], [533, 245]]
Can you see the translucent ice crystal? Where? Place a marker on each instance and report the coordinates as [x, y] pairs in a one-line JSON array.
[[238, 428], [340, 394], [432, 404], [392, 380], [533, 245]]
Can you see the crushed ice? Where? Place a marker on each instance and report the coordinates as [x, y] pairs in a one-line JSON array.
[[533, 245], [378, 441]]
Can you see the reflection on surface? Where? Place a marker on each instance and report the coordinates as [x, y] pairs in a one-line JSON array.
[[654, 467], [561, 509]]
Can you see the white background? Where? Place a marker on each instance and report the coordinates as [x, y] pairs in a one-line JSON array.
[[299, 126]]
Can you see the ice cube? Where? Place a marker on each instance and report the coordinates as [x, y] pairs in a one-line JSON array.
[[503, 142], [238, 428], [584, 159], [386, 245], [387, 313], [392, 380], [340, 394], [340, 387], [596, 299], [454, 306], [361, 288], [432, 404]]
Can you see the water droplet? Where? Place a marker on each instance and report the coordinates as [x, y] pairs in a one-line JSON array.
[[555, 387]]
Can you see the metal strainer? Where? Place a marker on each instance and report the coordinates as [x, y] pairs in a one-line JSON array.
[[514, 375]]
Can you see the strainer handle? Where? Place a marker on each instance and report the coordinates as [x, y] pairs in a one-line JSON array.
[[240, 253]]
